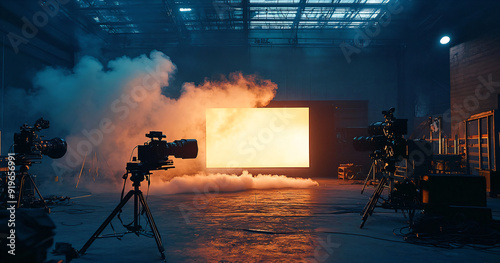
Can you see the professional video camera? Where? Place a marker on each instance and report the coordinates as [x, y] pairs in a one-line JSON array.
[[385, 140], [28, 149], [154, 154], [29, 145], [389, 147]]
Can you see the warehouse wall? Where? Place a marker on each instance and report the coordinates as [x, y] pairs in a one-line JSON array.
[[475, 78], [413, 78], [426, 81], [325, 74], [34, 34], [301, 73], [42, 33]]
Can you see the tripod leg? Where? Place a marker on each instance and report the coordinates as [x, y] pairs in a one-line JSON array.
[[106, 222], [379, 192], [411, 216], [153, 225], [370, 206], [23, 178], [39, 194], [367, 177], [370, 202]]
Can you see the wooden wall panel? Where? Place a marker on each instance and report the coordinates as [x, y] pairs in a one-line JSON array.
[[469, 63]]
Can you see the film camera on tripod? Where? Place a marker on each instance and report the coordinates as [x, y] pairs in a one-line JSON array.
[[389, 147], [29, 147], [153, 155], [34, 228]]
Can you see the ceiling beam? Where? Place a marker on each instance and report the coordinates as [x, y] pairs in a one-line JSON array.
[[249, 5], [345, 5], [173, 13], [163, 22], [296, 21], [244, 6]]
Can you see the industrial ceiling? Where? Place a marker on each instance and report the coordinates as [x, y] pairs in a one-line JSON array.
[[157, 24], [140, 23]]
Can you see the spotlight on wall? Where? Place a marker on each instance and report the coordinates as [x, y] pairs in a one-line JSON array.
[[444, 40], [185, 9]]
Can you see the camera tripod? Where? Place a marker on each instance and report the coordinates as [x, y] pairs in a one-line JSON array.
[[400, 198], [25, 175], [374, 170], [138, 173], [370, 206]]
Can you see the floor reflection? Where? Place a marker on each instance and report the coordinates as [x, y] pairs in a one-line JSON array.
[[256, 226]]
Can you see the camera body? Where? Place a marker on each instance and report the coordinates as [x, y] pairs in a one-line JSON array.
[[28, 144], [381, 134], [156, 152], [385, 140]]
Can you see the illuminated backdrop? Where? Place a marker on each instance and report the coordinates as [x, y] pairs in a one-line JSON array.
[[257, 137]]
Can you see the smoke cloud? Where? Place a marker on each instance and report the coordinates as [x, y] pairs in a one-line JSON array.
[[104, 111], [214, 183]]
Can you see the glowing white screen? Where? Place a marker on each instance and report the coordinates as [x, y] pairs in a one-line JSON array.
[[257, 137]]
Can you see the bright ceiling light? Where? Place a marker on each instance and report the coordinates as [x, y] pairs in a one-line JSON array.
[[444, 40], [184, 9]]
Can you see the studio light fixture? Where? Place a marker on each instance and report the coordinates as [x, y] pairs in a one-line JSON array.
[[185, 9], [444, 40]]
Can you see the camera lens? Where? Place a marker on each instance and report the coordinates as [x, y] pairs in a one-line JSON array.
[[54, 148]]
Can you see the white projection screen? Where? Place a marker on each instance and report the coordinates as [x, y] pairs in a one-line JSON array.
[[257, 137]]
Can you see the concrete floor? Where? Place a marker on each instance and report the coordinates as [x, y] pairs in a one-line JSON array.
[[319, 224]]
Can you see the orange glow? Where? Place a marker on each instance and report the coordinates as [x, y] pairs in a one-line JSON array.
[[257, 137]]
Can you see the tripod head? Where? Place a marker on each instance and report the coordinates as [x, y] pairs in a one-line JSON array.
[[139, 170]]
